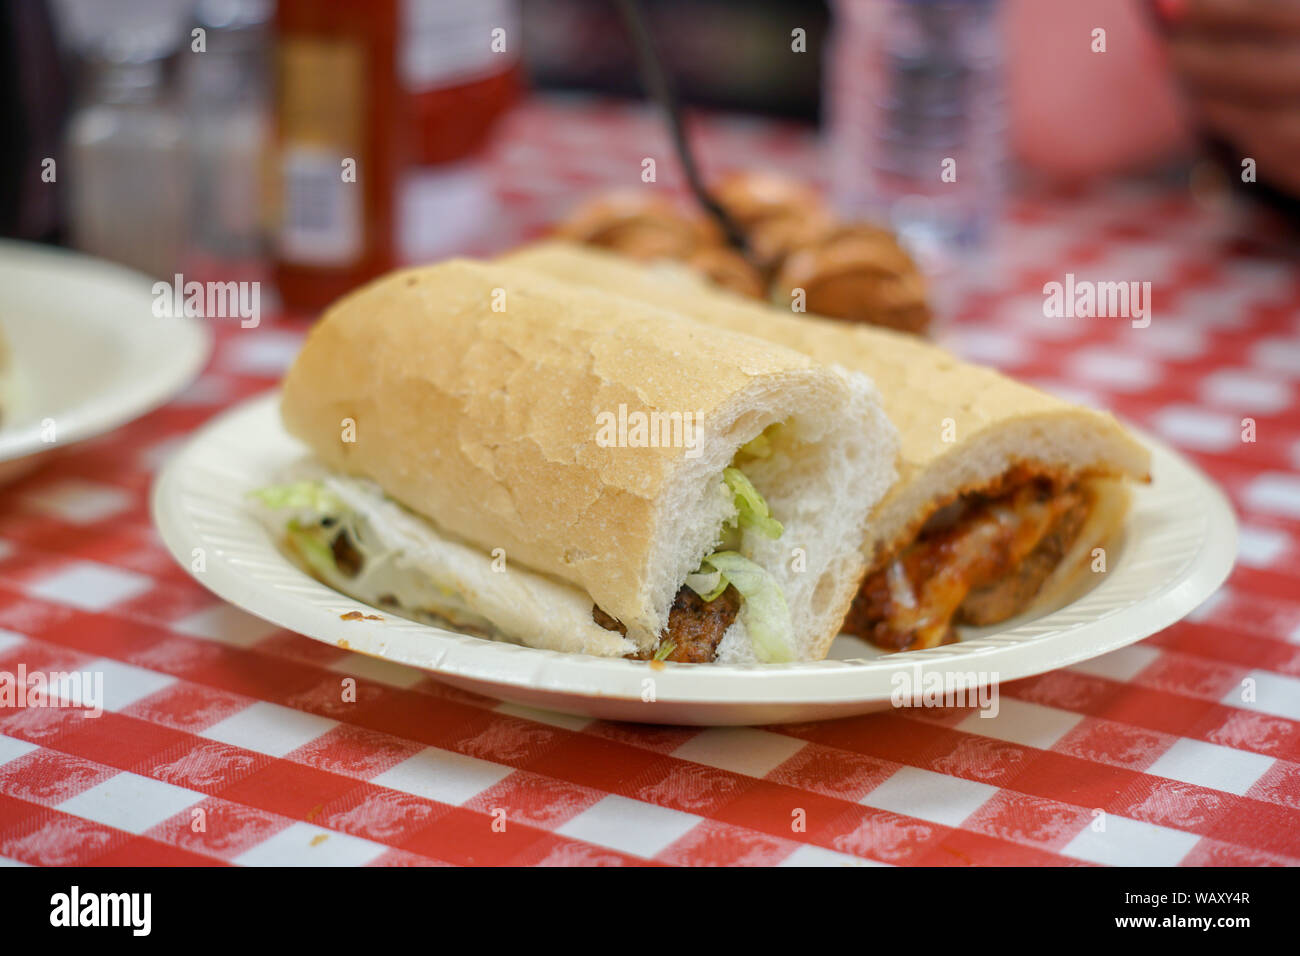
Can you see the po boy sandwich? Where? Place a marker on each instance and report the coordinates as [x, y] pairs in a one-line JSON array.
[[1003, 491], [576, 471]]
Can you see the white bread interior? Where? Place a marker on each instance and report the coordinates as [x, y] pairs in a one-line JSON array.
[[962, 426], [823, 497], [483, 422]]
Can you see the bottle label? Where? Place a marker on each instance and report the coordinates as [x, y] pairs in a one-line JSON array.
[[448, 44], [322, 221], [322, 158]]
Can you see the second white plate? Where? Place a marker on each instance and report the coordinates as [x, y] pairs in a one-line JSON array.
[[86, 352], [1178, 545]]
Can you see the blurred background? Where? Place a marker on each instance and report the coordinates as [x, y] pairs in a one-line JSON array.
[[183, 135]]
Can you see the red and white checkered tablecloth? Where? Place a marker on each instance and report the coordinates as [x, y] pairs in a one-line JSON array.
[[1187, 744]]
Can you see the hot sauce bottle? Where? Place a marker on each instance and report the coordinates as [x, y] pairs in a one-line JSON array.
[[459, 64], [340, 136], [459, 67]]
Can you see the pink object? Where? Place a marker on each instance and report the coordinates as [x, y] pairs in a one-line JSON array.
[[1076, 113], [1171, 11]]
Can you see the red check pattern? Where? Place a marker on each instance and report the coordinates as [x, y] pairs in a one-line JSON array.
[[224, 739]]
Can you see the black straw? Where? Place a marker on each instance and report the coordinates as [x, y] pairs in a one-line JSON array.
[[661, 90]]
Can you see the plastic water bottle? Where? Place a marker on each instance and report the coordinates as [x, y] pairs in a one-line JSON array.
[[917, 119]]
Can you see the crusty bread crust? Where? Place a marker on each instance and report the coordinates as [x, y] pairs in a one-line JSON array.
[[485, 421], [961, 425]]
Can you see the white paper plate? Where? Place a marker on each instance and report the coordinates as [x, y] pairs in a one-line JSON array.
[[1178, 545], [86, 352]]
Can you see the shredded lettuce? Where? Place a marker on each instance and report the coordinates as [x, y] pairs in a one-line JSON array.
[[763, 607], [312, 542], [299, 496], [707, 584], [766, 615], [754, 514], [311, 530]]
